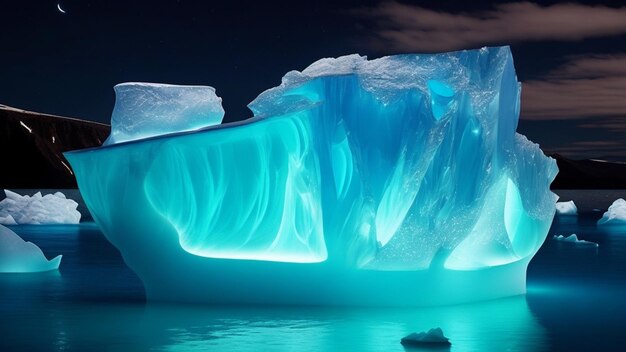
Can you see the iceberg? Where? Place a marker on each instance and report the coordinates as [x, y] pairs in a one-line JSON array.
[[566, 208], [573, 239], [19, 256], [616, 214], [394, 181], [38, 209], [144, 110]]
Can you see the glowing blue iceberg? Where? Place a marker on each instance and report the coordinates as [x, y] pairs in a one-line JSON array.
[[19, 256], [394, 181]]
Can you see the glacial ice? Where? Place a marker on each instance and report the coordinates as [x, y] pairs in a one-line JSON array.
[[38, 209], [19, 256], [144, 110], [566, 208], [392, 181], [616, 214], [573, 239]]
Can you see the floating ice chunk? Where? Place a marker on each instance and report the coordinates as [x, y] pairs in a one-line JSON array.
[[566, 208], [38, 209], [144, 110], [431, 337], [573, 239], [19, 256], [616, 214]]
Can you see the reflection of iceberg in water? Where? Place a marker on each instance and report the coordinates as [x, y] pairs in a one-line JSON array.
[[499, 325], [396, 181]]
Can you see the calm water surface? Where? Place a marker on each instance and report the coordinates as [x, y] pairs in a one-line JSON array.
[[576, 301]]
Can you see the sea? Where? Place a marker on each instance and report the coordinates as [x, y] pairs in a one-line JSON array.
[[576, 301]]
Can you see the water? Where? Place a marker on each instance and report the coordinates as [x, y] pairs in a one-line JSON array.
[[576, 301]]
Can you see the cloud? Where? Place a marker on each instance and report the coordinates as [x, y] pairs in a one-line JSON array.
[[582, 87], [611, 150], [403, 27], [615, 126], [593, 66]]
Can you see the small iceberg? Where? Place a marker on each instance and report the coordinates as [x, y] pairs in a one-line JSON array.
[[434, 337], [39, 209], [573, 239], [616, 214], [19, 256], [566, 208]]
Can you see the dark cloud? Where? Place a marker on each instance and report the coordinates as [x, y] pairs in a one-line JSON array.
[[584, 99], [592, 66], [615, 126], [591, 137], [582, 87], [402, 27], [605, 150]]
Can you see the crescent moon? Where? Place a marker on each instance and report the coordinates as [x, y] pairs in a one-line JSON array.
[[60, 9]]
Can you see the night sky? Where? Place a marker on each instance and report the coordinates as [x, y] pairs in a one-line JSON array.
[[571, 57]]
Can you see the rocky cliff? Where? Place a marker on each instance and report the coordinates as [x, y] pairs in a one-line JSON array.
[[31, 147]]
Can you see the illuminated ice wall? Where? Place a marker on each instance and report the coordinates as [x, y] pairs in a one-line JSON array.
[[394, 181]]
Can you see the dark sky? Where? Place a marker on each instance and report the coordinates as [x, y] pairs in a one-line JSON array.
[[571, 57]]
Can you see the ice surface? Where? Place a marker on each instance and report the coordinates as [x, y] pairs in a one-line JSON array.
[[566, 208], [400, 177], [7, 220], [38, 209], [148, 109], [573, 239], [18, 256], [431, 337], [616, 214]]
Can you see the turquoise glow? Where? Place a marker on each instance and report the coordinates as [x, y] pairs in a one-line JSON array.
[[396, 179], [440, 98]]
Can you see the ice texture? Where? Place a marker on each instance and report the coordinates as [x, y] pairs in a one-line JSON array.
[[19, 256], [144, 110], [398, 180], [38, 209], [573, 239], [431, 337], [566, 208], [616, 214]]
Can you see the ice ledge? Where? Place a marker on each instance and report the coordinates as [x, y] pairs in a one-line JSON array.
[[144, 110]]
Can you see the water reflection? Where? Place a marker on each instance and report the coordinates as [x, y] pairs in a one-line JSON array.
[[95, 303], [505, 324]]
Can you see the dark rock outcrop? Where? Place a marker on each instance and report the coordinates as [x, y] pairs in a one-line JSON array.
[[31, 147], [589, 174]]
